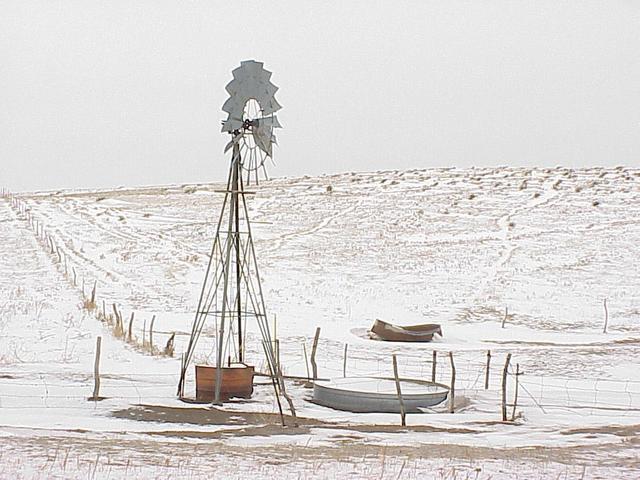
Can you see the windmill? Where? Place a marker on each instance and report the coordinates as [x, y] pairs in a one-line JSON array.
[[231, 293], [250, 107]]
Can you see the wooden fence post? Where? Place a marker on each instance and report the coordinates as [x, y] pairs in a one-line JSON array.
[[169, 348], [118, 329], [277, 353], [452, 390], [314, 366], [506, 313], [153, 319], [399, 390], [606, 317], [286, 396], [486, 375], [433, 366], [504, 388], [96, 371], [130, 333], [515, 398], [344, 362], [93, 294], [306, 360]]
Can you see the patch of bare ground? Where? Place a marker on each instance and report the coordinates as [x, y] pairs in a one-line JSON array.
[[206, 416], [124, 449], [350, 441], [631, 432], [252, 424], [624, 341]]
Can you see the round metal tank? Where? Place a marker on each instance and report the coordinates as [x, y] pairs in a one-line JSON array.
[[378, 395]]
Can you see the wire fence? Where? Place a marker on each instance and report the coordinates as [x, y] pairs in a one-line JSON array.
[[83, 280], [585, 397], [545, 393], [35, 391], [599, 397]]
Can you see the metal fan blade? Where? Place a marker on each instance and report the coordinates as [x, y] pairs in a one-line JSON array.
[[263, 138], [271, 121], [251, 66], [231, 124], [271, 106], [263, 133]]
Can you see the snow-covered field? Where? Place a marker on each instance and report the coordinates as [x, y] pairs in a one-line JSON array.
[[450, 246]]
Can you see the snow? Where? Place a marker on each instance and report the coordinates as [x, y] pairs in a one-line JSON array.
[[449, 246]]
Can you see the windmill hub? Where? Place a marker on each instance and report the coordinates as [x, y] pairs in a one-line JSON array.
[[248, 124]]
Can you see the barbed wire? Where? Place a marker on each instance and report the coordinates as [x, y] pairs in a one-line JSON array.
[[568, 393]]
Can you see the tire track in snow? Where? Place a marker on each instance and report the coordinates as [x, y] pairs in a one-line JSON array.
[[279, 241], [67, 240], [509, 245]]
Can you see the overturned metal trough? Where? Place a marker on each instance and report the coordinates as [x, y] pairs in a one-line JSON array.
[[382, 330], [378, 395]]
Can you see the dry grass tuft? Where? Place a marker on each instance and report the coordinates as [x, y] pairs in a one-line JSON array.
[[88, 305]]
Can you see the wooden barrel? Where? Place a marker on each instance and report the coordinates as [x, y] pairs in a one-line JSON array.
[[237, 381]]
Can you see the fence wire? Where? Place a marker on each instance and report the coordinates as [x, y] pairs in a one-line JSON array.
[[586, 397]]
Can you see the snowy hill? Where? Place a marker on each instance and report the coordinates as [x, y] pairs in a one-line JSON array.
[[449, 246]]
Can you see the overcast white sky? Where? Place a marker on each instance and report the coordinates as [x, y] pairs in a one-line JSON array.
[[130, 92]]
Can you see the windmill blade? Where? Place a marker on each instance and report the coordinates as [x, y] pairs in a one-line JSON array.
[[251, 67], [263, 139], [231, 124], [234, 106], [262, 131], [270, 121], [270, 106]]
